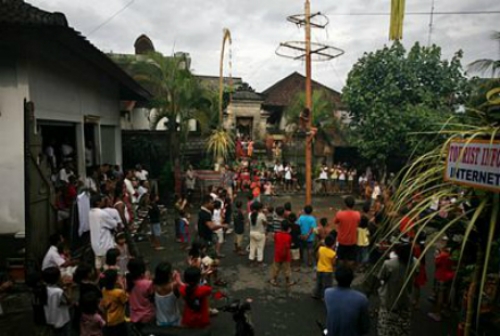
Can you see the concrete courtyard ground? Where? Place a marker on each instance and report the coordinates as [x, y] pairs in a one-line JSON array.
[[278, 310]]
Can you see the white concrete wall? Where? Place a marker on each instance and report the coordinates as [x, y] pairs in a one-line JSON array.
[[70, 95], [12, 93]]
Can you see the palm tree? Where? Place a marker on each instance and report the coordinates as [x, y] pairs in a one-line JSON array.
[[422, 183], [178, 96], [487, 65]]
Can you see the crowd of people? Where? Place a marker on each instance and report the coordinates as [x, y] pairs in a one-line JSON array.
[[101, 296]]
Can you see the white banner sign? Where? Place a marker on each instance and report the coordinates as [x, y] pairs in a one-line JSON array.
[[475, 164]]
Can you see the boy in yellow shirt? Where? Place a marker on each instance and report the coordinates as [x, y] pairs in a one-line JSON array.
[[325, 267], [113, 304]]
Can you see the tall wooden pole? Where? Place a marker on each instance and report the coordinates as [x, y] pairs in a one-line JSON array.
[[308, 104]]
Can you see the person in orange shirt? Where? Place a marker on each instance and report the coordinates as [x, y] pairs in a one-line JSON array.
[[346, 223]]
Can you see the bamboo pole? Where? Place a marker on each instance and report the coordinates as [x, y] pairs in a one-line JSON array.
[[308, 103]]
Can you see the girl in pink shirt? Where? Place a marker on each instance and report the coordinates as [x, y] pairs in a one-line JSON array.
[[141, 293]]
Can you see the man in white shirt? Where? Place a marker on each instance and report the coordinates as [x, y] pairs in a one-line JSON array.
[[101, 226], [130, 186], [376, 191], [53, 258], [141, 174], [65, 172]]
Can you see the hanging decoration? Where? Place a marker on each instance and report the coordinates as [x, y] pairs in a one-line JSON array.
[[397, 18]]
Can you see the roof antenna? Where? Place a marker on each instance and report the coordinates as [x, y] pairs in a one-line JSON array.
[[431, 23]]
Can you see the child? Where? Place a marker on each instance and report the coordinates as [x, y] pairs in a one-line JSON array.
[[217, 219], [123, 258], [141, 291], [307, 223], [112, 260], [56, 302], [166, 296], [255, 186], [282, 255], [288, 209], [325, 268], [184, 229], [363, 242], [91, 323], [249, 204], [295, 248], [443, 275], [154, 219], [239, 228], [268, 193], [196, 309], [421, 277], [85, 278], [322, 231], [113, 304]]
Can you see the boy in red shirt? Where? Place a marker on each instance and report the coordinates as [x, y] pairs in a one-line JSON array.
[[443, 275], [282, 254]]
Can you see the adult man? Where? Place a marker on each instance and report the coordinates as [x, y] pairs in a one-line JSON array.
[[101, 226], [53, 258], [206, 226], [129, 175], [140, 173], [346, 223], [347, 309]]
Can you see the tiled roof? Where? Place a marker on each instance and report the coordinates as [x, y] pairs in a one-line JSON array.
[[284, 92], [20, 12], [20, 19], [247, 96]]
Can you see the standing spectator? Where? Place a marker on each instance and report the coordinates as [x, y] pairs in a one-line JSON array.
[[190, 183], [443, 275], [347, 309], [155, 220], [196, 309], [288, 178], [184, 229], [91, 322], [325, 268], [347, 222], [323, 178], [307, 223], [394, 317], [421, 277], [180, 205], [141, 290], [258, 223], [101, 226], [376, 192], [296, 242], [56, 302], [206, 226], [124, 257], [239, 228], [342, 179], [363, 242], [129, 185], [282, 255], [141, 174], [217, 218], [113, 304]]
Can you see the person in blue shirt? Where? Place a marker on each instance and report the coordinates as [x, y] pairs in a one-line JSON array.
[[307, 223], [346, 308]]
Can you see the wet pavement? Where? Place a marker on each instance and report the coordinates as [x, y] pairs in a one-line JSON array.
[[280, 310]]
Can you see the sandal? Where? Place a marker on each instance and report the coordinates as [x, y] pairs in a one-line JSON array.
[[273, 283]]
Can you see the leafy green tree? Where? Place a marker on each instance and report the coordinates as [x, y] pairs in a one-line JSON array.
[[178, 96], [399, 99], [322, 109]]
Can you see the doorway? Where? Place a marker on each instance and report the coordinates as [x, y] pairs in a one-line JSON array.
[[244, 126]]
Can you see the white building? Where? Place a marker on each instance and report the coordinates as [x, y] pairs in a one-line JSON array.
[[73, 91]]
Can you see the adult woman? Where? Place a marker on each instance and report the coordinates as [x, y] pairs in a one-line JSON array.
[[257, 232], [190, 183], [395, 294]]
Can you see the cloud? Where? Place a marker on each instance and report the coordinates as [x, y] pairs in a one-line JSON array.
[[258, 26]]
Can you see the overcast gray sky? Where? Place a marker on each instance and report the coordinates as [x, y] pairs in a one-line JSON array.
[[258, 26]]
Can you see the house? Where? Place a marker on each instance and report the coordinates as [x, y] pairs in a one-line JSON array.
[[56, 89], [140, 118]]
